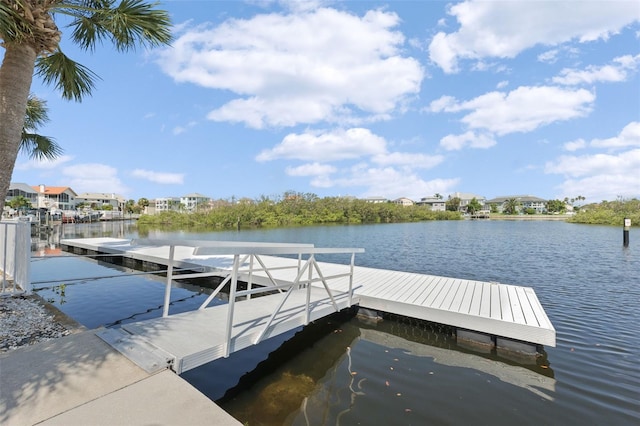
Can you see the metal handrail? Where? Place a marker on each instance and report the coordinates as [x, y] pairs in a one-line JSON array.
[[251, 252]]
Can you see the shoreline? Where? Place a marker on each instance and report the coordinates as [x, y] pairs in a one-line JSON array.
[[541, 217]]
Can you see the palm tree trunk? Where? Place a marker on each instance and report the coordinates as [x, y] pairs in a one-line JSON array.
[[16, 73]]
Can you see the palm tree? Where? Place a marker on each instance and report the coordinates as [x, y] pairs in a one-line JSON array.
[[511, 206], [31, 39]]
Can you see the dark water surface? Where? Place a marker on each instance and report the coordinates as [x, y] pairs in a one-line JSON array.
[[347, 372]]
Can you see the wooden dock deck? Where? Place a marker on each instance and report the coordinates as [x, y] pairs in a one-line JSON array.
[[191, 339]]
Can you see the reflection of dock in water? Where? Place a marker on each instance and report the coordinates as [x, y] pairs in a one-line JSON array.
[[514, 375]]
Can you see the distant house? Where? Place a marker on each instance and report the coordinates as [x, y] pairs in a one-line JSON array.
[[375, 200], [433, 203], [524, 201], [164, 204], [403, 201], [195, 201], [22, 190], [465, 199], [59, 197], [97, 200]]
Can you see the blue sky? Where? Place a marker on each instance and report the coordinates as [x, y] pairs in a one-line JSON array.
[[361, 98]]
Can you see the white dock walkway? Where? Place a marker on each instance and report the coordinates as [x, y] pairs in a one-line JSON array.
[[193, 338]]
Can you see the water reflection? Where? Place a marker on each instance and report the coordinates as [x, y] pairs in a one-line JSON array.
[[357, 374]]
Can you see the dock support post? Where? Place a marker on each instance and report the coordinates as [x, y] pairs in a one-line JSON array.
[[352, 264], [308, 303], [167, 288], [232, 302], [625, 232]]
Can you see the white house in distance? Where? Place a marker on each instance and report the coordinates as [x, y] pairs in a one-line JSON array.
[[434, 203], [163, 204], [525, 201], [465, 199], [46, 197], [97, 200], [195, 201], [375, 200], [403, 201], [189, 203]]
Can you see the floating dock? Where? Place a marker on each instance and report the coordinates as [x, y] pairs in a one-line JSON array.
[[301, 289]]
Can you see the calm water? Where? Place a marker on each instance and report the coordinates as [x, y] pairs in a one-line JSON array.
[[399, 373]]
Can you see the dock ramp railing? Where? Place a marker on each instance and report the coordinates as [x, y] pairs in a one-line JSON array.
[[15, 257], [249, 263]]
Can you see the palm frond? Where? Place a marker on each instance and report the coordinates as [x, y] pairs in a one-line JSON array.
[[12, 25], [127, 25], [71, 78], [39, 147], [36, 114]]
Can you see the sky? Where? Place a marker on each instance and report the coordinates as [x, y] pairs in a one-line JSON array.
[[360, 98]]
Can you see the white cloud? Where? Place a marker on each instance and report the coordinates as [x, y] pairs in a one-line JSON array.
[[311, 169], [391, 182], [504, 29], [628, 137], [575, 145], [602, 176], [178, 130], [471, 139], [330, 146], [44, 164], [597, 164], [502, 84], [521, 110], [307, 67], [444, 104], [159, 177], [618, 71], [602, 187], [408, 159], [550, 56], [93, 177]]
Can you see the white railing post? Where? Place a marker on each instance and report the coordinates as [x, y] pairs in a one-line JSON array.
[[250, 283], [353, 261], [167, 288], [310, 277], [232, 302]]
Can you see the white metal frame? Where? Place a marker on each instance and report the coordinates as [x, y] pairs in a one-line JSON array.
[[245, 256], [15, 257]]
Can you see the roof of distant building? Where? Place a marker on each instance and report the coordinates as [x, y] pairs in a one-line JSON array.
[[22, 187], [466, 196], [53, 190], [521, 198]]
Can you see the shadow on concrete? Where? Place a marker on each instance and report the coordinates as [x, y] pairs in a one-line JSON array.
[[43, 380]]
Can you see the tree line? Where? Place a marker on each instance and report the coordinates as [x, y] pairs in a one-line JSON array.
[[609, 213], [296, 209]]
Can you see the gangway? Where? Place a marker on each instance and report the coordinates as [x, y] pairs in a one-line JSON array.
[[300, 293]]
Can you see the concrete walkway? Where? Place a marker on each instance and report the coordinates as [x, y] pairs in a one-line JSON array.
[[81, 380]]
